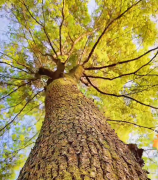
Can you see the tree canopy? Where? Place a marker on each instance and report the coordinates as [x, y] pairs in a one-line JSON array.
[[117, 44]]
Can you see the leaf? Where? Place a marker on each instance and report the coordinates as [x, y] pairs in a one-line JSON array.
[[14, 136], [27, 45], [22, 138], [155, 144]]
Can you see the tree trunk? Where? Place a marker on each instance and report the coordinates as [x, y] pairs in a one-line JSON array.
[[76, 142]]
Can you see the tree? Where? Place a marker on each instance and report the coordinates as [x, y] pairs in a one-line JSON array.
[[110, 53]]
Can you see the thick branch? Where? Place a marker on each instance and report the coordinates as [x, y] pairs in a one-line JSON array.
[[76, 72], [122, 62], [106, 28], [85, 83], [47, 72], [118, 95], [52, 74], [127, 74]]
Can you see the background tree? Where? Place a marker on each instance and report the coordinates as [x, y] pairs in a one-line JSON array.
[[115, 42]]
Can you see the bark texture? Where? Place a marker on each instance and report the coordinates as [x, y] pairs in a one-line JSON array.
[[76, 142]]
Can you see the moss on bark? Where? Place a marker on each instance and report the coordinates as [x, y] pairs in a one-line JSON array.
[[76, 142]]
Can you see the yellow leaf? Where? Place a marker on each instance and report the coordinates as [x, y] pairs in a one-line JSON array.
[[22, 138]]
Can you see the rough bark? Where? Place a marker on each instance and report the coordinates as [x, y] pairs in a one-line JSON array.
[[76, 142]]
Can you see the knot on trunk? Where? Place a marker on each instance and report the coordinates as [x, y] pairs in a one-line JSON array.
[[137, 153]]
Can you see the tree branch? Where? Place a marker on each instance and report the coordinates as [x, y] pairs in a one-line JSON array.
[[19, 111], [51, 56], [43, 13], [47, 72], [31, 72], [26, 145], [9, 84], [24, 33], [14, 90], [39, 23], [76, 41], [120, 121], [43, 26], [99, 77], [105, 29], [122, 62], [60, 27], [118, 95], [1, 62], [17, 78], [84, 49], [12, 106], [141, 90]]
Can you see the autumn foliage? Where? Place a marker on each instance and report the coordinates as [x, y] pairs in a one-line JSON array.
[[116, 44]]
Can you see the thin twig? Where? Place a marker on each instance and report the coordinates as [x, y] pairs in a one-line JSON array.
[[44, 19], [12, 106], [20, 111], [31, 72], [120, 121], [43, 27], [1, 62], [60, 27], [75, 42], [16, 78], [83, 51], [14, 90]]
